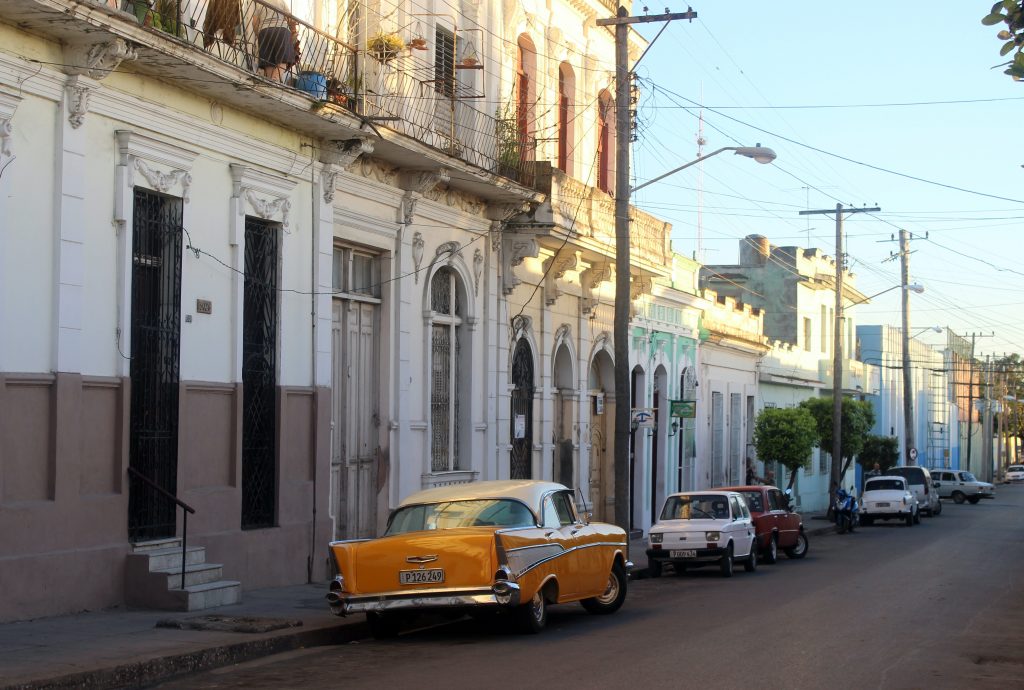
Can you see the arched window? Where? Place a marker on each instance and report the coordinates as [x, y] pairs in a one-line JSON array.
[[605, 141], [566, 102], [447, 309], [526, 95]]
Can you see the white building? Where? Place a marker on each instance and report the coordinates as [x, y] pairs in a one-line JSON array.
[[936, 424], [731, 348]]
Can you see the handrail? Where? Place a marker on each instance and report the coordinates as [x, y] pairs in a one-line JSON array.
[[185, 508]]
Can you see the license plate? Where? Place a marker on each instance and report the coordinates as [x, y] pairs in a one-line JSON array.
[[882, 505], [682, 554], [421, 577]]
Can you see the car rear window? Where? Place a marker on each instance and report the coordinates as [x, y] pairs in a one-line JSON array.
[[913, 475], [754, 500], [453, 514], [885, 485]]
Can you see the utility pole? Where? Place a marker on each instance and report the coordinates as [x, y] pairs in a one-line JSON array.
[[623, 399], [837, 339], [910, 454], [986, 430], [970, 395]]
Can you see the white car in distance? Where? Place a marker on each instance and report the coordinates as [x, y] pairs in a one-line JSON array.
[[701, 528], [888, 498], [1015, 473]]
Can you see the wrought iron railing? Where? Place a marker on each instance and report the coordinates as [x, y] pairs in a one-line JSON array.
[[393, 90], [185, 510]]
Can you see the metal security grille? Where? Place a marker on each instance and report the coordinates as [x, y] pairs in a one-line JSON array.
[[521, 459], [446, 377], [155, 345], [259, 380]]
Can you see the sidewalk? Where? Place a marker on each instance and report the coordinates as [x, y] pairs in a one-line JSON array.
[[125, 648]]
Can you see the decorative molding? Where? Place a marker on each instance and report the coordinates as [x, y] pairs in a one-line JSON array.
[[164, 167], [450, 248], [455, 199], [268, 209], [590, 279], [504, 212], [407, 207], [377, 170], [417, 254], [495, 231], [8, 105], [267, 195], [337, 156], [554, 268], [478, 269], [344, 152], [329, 182], [638, 287], [420, 181], [76, 97], [564, 332], [96, 60], [163, 182], [514, 249]]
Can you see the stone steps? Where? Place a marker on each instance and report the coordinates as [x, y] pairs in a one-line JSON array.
[[153, 578]]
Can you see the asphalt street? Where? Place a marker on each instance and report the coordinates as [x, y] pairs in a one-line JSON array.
[[937, 605]]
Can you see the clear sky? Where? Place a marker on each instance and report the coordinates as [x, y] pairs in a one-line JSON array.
[[840, 77]]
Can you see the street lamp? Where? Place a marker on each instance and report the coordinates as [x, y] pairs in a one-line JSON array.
[[913, 287], [623, 402], [934, 329], [761, 154]]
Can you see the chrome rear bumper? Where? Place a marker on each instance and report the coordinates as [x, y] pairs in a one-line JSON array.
[[501, 594]]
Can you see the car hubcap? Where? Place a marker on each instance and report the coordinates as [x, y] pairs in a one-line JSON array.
[[774, 549], [537, 607], [611, 592], [800, 544]]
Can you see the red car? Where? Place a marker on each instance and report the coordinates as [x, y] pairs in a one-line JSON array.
[[778, 527]]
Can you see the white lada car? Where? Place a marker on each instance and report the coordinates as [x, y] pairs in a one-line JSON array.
[[888, 498], [701, 528]]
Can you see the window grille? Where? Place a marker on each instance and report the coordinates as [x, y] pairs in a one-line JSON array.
[[259, 375], [444, 62], [446, 372], [154, 370]]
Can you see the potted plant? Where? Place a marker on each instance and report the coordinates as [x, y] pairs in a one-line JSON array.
[[385, 46]]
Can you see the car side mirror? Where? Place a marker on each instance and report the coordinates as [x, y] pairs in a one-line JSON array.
[[935, 485], [587, 517]]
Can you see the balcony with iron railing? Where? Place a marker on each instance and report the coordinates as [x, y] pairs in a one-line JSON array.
[[214, 47]]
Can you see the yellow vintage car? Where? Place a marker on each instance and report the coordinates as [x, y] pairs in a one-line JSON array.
[[516, 546]]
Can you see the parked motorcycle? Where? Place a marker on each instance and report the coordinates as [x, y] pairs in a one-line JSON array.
[[846, 510]]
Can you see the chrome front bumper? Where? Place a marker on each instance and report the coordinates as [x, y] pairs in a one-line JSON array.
[[343, 603]]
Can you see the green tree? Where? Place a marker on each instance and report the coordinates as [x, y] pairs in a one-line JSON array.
[[857, 420], [885, 450], [1011, 13], [1008, 386], [787, 436]]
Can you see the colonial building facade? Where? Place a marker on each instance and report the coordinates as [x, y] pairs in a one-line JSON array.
[[286, 297]]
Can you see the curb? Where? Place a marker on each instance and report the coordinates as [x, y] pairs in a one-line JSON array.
[[143, 673]]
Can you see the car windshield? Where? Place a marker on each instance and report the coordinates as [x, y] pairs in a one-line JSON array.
[[1015, 468], [453, 514], [884, 485], [696, 507], [967, 477]]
